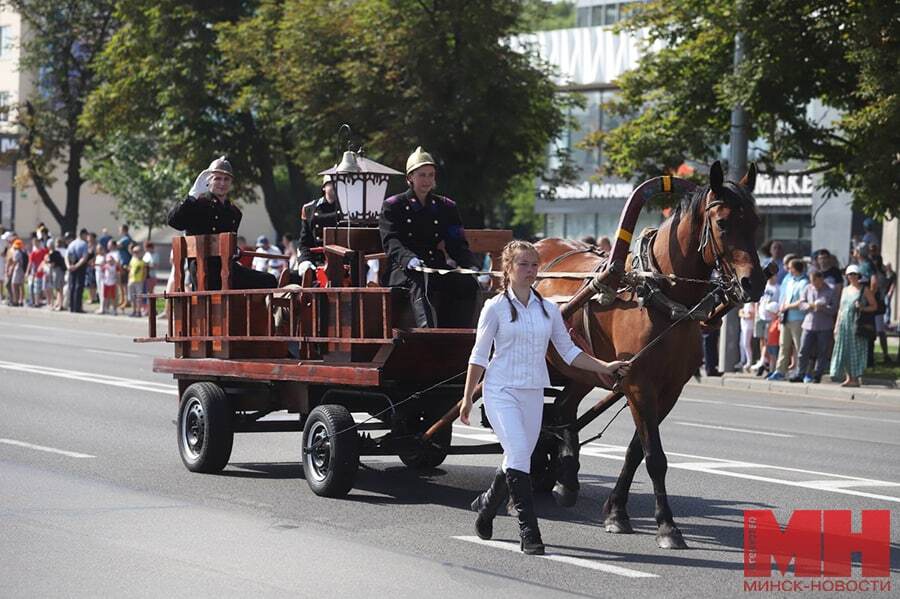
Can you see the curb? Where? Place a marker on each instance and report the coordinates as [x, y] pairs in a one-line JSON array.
[[825, 391]]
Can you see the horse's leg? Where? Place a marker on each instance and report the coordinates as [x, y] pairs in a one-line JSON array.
[[667, 534], [614, 511], [565, 491]]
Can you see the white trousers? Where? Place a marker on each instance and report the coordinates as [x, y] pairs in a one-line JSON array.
[[515, 415]]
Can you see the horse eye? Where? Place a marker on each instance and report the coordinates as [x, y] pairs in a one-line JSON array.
[[722, 223]]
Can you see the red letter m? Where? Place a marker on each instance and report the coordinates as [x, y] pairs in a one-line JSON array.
[[764, 541]]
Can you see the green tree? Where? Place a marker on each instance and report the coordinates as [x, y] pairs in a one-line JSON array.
[[135, 172], [59, 44], [843, 55], [433, 73], [170, 66]]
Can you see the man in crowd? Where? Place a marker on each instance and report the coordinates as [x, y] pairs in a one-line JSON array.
[[791, 316], [76, 262], [819, 303]]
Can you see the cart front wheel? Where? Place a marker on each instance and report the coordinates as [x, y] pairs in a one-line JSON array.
[[330, 451], [205, 434]]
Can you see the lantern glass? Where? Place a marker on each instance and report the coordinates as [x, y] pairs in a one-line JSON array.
[[350, 188]]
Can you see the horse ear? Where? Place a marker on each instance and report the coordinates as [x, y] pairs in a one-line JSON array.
[[716, 177], [749, 180]]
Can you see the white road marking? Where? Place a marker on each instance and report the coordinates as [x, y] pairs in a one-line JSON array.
[[824, 481], [76, 331], [565, 559], [71, 454], [736, 430], [790, 410], [90, 377], [118, 354]]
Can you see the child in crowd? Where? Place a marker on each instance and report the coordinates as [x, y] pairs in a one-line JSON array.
[[110, 280], [57, 274], [99, 266], [137, 274]]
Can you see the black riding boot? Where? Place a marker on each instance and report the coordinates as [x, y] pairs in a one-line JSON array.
[[488, 503], [519, 484]]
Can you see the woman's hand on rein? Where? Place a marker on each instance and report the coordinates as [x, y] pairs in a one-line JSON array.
[[619, 368]]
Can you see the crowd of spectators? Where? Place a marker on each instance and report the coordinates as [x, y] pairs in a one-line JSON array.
[[816, 317], [41, 271]]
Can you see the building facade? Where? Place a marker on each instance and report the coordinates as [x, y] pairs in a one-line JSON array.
[[588, 59]]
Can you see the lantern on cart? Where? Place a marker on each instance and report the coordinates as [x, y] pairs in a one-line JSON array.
[[360, 185]]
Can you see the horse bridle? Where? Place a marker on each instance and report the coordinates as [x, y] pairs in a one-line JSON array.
[[728, 278]]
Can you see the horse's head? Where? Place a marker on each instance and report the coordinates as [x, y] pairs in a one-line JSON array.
[[728, 238]]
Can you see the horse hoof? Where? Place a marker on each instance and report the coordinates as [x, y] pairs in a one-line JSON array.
[[618, 525], [564, 496], [671, 540]]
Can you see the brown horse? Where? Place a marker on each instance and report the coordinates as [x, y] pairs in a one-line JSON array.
[[714, 228]]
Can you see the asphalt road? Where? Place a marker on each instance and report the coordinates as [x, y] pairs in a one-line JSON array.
[[94, 500]]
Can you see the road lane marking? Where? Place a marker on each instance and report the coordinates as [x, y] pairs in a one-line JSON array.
[[736, 430], [90, 377], [71, 454], [75, 331], [790, 410], [118, 354], [841, 483], [565, 559]]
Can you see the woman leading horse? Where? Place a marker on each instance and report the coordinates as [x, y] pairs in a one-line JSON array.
[[713, 229]]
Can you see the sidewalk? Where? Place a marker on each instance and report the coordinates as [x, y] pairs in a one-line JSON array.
[[871, 389]]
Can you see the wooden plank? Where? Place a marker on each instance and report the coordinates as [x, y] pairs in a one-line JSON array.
[[357, 375]]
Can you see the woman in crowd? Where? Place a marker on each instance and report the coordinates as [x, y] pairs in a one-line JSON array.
[[850, 347], [519, 324]]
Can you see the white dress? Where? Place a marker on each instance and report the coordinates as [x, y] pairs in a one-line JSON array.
[[517, 372]]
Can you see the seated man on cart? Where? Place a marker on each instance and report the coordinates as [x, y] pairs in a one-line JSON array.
[[314, 217], [207, 210], [412, 224]]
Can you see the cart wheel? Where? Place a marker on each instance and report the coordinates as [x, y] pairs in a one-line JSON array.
[[432, 455], [205, 434], [330, 451], [543, 464]]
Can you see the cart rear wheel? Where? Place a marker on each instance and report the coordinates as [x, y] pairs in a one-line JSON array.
[[205, 434], [431, 455], [330, 451]]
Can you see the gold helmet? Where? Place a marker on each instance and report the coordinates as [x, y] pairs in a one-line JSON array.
[[220, 165], [417, 159]]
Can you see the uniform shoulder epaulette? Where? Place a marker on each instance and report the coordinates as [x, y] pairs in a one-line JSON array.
[[445, 200]]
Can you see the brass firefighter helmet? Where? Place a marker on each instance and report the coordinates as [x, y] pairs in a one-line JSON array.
[[418, 159], [220, 165]]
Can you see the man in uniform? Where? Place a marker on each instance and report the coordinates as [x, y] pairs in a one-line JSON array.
[[207, 210], [412, 224], [314, 217]]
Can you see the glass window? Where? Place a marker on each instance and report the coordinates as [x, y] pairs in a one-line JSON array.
[[4, 106], [612, 14], [555, 225], [583, 16], [4, 40], [580, 225], [597, 16]]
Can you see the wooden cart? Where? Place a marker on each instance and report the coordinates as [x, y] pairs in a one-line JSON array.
[[330, 353]]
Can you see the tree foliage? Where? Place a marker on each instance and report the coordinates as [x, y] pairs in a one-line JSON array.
[[800, 54], [140, 176], [270, 82], [59, 48]]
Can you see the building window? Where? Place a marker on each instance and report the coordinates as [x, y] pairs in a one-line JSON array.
[[4, 106], [4, 40]]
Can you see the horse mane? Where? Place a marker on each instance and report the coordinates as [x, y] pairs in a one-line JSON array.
[[735, 196]]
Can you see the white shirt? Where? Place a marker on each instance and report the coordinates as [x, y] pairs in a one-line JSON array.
[[520, 347]]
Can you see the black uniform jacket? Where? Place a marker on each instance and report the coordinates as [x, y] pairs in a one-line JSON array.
[[314, 217], [204, 215], [410, 229]]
